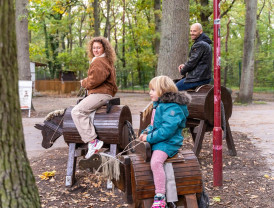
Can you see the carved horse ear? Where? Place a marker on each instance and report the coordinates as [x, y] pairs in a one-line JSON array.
[[39, 126]]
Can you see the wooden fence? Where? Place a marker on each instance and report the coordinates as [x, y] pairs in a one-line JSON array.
[[56, 86]]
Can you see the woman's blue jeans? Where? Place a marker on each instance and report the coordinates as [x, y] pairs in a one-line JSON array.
[[182, 85]]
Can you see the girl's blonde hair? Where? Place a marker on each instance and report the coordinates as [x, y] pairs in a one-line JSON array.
[[108, 49], [162, 84]]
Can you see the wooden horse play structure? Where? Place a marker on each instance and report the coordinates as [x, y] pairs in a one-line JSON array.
[[138, 179], [112, 123], [201, 116]]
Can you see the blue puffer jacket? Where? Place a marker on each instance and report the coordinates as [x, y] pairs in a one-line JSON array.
[[169, 121]]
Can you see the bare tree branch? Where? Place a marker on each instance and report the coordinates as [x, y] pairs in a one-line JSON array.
[[258, 16], [229, 8]]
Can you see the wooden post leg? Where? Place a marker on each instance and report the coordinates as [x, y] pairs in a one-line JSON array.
[[112, 152], [191, 129], [71, 166], [191, 201], [199, 138], [229, 141], [128, 187]]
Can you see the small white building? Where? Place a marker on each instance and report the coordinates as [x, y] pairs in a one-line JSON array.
[[32, 71]]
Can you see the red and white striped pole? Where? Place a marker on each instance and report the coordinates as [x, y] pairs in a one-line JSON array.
[[217, 130]]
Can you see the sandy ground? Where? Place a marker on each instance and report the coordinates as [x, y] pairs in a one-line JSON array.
[[244, 182], [256, 120]]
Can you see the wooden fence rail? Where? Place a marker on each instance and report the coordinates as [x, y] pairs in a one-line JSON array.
[[56, 86]]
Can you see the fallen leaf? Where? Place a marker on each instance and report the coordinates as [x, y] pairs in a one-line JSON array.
[[217, 199], [266, 176], [103, 199], [253, 196], [46, 175]]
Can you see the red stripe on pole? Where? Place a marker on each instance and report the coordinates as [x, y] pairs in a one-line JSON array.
[[217, 131]]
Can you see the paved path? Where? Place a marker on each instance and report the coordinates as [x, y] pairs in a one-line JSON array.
[[257, 121]]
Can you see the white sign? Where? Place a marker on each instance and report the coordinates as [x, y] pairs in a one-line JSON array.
[[25, 94]]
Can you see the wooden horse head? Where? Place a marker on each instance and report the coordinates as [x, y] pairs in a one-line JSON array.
[[52, 128]]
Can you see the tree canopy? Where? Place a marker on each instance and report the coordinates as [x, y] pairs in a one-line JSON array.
[[60, 29]]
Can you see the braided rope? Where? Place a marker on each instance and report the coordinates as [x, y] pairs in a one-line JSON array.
[[128, 148]]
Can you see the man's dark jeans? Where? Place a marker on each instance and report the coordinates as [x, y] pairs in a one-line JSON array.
[[182, 85]]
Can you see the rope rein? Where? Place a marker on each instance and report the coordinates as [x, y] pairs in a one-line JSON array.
[[50, 141], [126, 149], [117, 156]]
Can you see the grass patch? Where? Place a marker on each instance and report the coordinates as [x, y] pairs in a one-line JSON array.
[[135, 88], [256, 102], [264, 89], [255, 89], [240, 104], [259, 102]]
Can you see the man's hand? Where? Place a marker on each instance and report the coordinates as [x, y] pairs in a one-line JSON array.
[[81, 82], [143, 137], [180, 67]]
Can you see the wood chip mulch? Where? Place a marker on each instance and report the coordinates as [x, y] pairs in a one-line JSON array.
[[247, 180]]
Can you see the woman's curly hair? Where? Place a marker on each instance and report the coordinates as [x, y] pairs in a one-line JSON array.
[[108, 49]]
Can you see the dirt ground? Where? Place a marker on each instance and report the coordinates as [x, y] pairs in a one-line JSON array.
[[245, 182]]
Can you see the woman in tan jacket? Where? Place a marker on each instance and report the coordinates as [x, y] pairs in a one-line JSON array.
[[101, 86]]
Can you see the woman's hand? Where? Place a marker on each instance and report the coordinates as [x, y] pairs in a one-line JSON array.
[[143, 137]]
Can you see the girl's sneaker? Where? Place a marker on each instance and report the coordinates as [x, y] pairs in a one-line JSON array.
[[93, 147], [159, 201]]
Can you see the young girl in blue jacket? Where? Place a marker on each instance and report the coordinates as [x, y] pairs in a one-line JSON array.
[[164, 133]]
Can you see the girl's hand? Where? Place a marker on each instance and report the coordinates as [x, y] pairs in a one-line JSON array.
[[143, 137], [140, 137]]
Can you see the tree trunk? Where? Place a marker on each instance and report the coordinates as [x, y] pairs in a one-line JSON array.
[[18, 188], [96, 15], [137, 49], [226, 51], [50, 65], [205, 14], [70, 35], [83, 18], [174, 37], [107, 27], [270, 36], [124, 36], [157, 18], [22, 40], [246, 86]]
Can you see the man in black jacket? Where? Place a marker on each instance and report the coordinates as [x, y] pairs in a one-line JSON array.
[[197, 70]]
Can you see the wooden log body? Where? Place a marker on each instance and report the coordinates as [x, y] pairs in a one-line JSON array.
[[201, 106], [188, 176], [110, 127]]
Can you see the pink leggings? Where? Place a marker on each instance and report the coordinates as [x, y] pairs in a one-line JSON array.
[[157, 166]]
